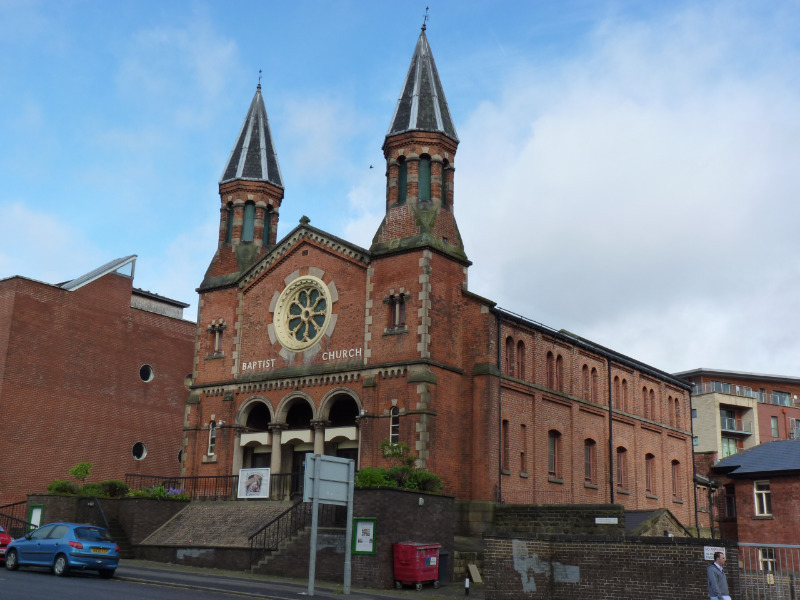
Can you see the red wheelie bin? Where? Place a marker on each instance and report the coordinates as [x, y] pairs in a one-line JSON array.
[[415, 564]]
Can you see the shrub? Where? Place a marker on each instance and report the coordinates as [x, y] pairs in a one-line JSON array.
[[59, 486], [113, 488], [159, 492], [372, 477], [425, 481], [90, 489], [400, 475]]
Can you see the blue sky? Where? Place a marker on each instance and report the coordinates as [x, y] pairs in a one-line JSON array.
[[627, 170]]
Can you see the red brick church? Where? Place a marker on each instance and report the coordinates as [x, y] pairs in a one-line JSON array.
[[313, 344]]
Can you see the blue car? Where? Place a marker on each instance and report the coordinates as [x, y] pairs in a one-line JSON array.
[[64, 547]]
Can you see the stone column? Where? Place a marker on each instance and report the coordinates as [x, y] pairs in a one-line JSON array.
[[319, 435], [275, 458]]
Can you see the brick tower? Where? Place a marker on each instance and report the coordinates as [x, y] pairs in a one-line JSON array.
[[250, 191]]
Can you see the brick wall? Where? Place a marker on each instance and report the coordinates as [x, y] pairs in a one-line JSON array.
[[599, 568]]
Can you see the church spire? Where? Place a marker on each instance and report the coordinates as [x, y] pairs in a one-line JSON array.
[[420, 149], [251, 192], [422, 105]]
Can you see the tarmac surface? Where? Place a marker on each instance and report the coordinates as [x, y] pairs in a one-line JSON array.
[[248, 585]]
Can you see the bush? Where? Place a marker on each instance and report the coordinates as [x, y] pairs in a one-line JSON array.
[[81, 471], [425, 481], [400, 475], [90, 489], [59, 486], [113, 488], [372, 477], [159, 492]]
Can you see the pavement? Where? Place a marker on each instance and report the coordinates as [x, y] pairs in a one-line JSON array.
[[248, 585]]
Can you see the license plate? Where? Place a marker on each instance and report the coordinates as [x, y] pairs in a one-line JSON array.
[[100, 550]]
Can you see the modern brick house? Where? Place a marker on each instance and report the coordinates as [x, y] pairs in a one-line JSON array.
[[90, 370], [313, 344], [761, 491]]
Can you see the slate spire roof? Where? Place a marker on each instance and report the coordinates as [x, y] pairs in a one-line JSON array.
[[422, 105], [253, 157]]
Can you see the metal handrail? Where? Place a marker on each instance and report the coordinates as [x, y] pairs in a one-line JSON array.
[[731, 424]]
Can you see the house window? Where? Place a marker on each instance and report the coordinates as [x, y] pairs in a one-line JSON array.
[[212, 437], [727, 418], [553, 451], [645, 404], [676, 477], [402, 180], [594, 394], [774, 423], [781, 398], [730, 501], [677, 413], [523, 459], [730, 446], [622, 468], [653, 410], [394, 425], [766, 557], [649, 473], [267, 220], [507, 365], [590, 461], [248, 226], [425, 178], [617, 394], [763, 498], [506, 444], [694, 413], [551, 371], [520, 360]]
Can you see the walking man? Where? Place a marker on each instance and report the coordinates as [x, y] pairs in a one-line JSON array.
[[717, 582]]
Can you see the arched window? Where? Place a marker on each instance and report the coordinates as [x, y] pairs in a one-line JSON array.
[[625, 395], [445, 184], [553, 453], [267, 220], [645, 404], [521, 360], [649, 473], [595, 391], [560, 373], [653, 407], [523, 451], [670, 414], [425, 178], [622, 468], [551, 371], [402, 180], [677, 413], [506, 446], [394, 425], [617, 393], [509, 361], [590, 461], [587, 383], [212, 437], [229, 224], [676, 475], [248, 225]]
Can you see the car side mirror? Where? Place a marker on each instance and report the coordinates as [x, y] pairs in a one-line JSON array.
[[27, 536]]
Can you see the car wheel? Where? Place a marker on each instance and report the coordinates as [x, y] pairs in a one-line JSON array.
[[106, 573], [61, 566], [12, 564]]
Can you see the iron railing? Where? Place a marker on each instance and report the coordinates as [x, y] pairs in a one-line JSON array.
[[288, 524], [769, 571], [282, 486], [12, 519], [737, 425]]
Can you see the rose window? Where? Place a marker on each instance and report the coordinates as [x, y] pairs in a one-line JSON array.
[[302, 313]]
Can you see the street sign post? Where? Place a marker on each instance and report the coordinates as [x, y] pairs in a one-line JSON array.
[[329, 480]]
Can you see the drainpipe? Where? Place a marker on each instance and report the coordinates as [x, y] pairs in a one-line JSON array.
[[694, 478], [500, 415], [610, 434]]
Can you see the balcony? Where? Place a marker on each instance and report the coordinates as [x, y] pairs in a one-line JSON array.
[[729, 425], [715, 387]]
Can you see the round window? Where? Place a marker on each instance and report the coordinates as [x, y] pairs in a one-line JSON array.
[[302, 313], [139, 450], [146, 373]]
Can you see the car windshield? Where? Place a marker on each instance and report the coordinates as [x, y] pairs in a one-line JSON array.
[[92, 534]]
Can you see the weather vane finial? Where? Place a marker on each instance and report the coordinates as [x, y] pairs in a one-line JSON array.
[[425, 19], [259, 78]]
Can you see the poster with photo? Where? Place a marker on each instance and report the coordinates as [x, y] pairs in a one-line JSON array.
[[254, 483], [363, 535]]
